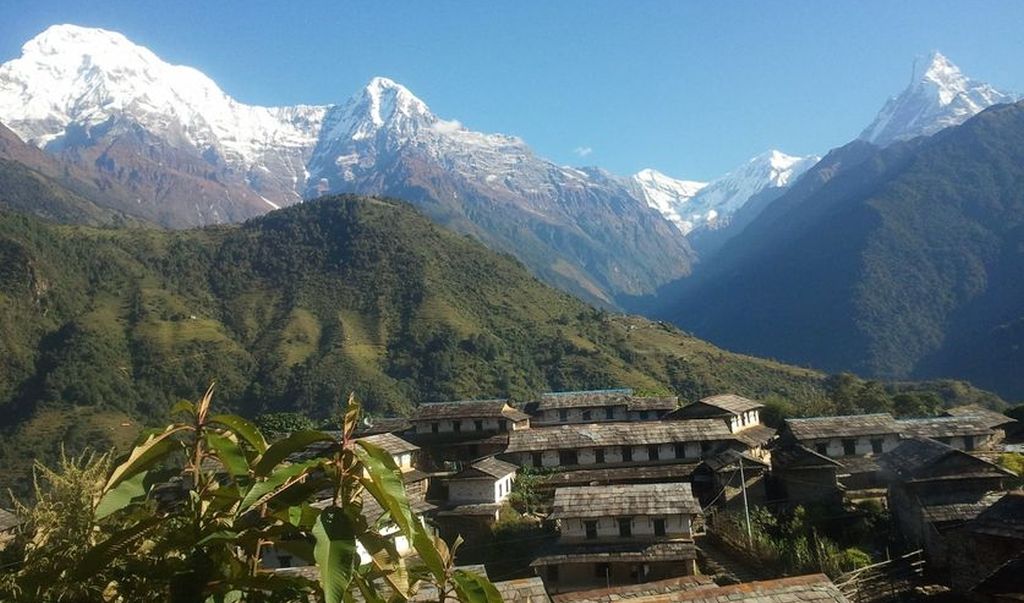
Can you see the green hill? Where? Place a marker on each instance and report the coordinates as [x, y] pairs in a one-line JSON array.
[[104, 328]]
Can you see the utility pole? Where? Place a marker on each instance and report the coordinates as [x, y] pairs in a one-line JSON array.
[[746, 508]]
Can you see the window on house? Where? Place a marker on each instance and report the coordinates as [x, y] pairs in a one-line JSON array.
[[609, 413], [601, 571], [680, 451], [876, 446], [568, 457], [563, 415], [537, 459], [553, 573], [586, 415], [643, 415], [968, 442], [849, 447], [652, 453], [457, 426], [659, 526], [627, 454], [478, 425], [502, 425], [434, 427], [599, 456], [705, 448], [590, 527], [625, 527], [821, 448]]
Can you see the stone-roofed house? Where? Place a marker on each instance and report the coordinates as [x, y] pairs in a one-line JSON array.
[[596, 445], [805, 475], [935, 489], [994, 537], [523, 590], [628, 534], [964, 432], [738, 412], [465, 430], [1007, 428], [851, 435], [815, 588], [592, 406], [716, 480], [475, 495]]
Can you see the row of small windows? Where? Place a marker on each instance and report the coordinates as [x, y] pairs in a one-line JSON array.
[[607, 411], [572, 457], [850, 447], [478, 425], [625, 527]]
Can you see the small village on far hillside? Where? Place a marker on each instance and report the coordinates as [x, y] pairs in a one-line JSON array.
[[600, 496]]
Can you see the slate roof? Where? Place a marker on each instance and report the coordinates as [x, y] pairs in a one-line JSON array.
[[1007, 580], [755, 435], [638, 433], [801, 456], [944, 427], [641, 403], [523, 590], [858, 464], [817, 428], [468, 409], [636, 591], [645, 552], [471, 510], [584, 399], [375, 425], [991, 418], [732, 403], [604, 397], [391, 443], [487, 467], [912, 458], [731, 458], [624, 499], [795, 589], [633, 474], [959, 511], [1004, 518]]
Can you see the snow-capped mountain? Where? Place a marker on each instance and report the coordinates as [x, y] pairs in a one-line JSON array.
[[667, 195], [939, 96], [579, 228], [181, 152], [695, 206], [73, 83]]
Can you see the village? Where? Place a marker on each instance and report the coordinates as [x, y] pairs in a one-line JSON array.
[[607, 495]]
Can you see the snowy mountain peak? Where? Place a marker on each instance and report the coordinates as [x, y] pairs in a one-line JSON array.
[[695, 205], [388, 100], [939, 96]]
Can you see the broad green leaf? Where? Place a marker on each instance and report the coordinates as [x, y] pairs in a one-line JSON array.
[[474, 588], [384, 483], [230, 454], [282, 449], [145, 455], [243, 429], [275, 483], [219, 535], [122, 495], [335, 552]]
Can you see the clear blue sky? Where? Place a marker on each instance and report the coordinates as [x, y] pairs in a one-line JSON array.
[[690, 88]]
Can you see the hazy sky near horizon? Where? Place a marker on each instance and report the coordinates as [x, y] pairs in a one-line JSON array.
[[690, 88]]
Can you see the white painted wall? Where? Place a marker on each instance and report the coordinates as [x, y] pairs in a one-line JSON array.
[[479, 489], [862, 445], [574, 529]]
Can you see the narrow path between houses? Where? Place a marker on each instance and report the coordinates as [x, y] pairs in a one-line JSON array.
[[726, 567]]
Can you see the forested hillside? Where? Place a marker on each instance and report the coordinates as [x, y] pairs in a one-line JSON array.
[[104, 328], [904, 262]]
